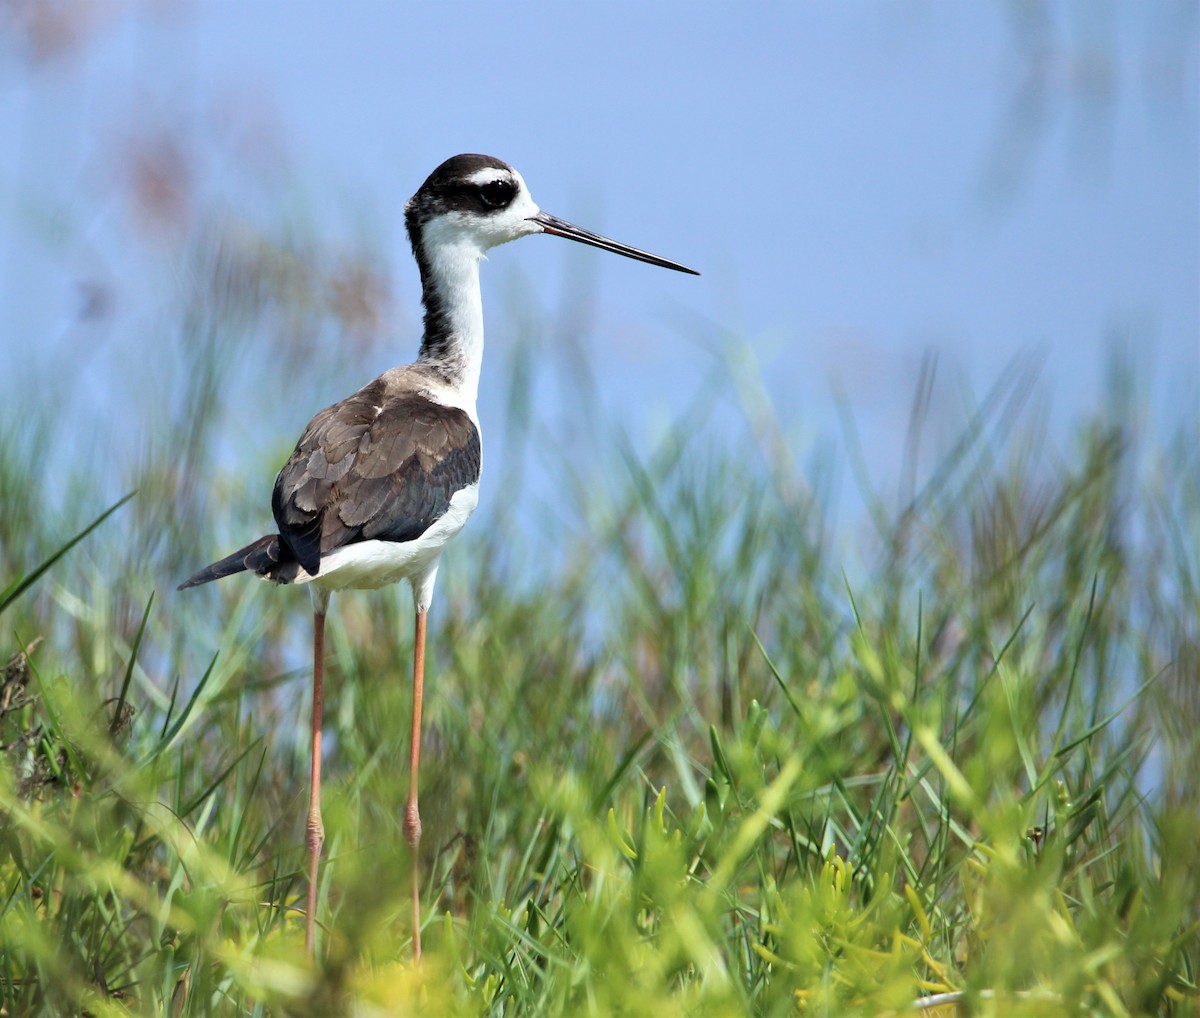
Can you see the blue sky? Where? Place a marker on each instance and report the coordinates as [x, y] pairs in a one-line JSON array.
[[860, 183]]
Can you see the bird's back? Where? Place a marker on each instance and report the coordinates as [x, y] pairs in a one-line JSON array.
[[382, 467]]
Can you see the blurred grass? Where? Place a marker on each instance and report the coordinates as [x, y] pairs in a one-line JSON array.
[[687, 754]]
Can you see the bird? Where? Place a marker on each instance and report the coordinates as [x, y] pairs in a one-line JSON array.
[[380, 482]]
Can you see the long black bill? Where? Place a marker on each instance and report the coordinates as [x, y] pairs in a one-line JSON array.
[[561, 228]]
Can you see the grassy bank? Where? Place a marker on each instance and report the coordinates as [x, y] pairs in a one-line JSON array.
[[694, 749]]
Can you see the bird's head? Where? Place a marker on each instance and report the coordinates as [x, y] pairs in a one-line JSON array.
[[478, 201]]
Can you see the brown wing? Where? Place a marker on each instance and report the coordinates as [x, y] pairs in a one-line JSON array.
[[373, 467]]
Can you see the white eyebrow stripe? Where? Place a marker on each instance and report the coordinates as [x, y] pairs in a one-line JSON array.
[[490, 175]]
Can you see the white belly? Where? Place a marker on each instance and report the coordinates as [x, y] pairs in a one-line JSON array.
[[371, 564]]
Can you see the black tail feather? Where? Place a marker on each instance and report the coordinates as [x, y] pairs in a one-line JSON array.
[[261, 557]]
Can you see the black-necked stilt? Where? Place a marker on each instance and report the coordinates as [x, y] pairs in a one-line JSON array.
[[380, 482]]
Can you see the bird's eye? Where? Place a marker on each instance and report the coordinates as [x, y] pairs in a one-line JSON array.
[[497, 193]]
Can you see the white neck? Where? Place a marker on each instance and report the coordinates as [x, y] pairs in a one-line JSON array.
[[453, 342]]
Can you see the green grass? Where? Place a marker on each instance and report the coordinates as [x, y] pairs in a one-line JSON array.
[[697, 749]]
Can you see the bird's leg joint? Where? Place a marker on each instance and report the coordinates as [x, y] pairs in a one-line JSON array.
[[412, 824], [316, 831]]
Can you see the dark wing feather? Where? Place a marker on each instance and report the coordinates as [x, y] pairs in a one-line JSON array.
[[376, 466], [262, 557]]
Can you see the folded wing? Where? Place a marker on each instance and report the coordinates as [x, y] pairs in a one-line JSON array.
[[380, 465]]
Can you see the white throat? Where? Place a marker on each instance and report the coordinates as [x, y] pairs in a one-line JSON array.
[[453, 254]]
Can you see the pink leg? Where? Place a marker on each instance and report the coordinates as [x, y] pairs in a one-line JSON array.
[[412, 816], [316, 829]]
